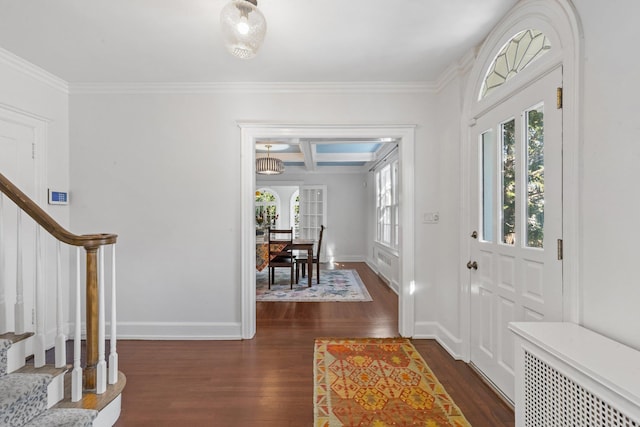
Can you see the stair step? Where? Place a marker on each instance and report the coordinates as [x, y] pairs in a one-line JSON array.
[[17, 352], [64, 418], [24, 396], [46, 369], [14, 338], [91, 400], [55, 390]]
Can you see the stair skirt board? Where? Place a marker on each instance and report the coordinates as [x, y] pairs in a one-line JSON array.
[[109, 414], [16, 355], [55, 390]]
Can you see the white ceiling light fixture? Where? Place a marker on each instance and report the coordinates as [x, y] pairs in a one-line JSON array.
[[243, 28], [269, 165]]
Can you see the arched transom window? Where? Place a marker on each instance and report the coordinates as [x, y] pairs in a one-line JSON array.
[[523, 48]]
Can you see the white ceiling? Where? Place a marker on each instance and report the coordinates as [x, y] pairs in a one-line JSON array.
[[307, 40]]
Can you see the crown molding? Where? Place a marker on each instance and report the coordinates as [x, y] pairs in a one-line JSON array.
[[456, 69], [33, 71], [255, 87]]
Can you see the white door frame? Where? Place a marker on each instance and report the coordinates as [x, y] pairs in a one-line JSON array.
[[559, 21], [250, 132], [39, 125]]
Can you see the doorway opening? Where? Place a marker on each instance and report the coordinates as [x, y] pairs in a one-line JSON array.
[[252, 132]]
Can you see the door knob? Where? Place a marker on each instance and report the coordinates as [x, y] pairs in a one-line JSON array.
[[474, 234], [473, 265]]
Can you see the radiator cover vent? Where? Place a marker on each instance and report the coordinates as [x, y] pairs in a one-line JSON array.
[[554, 400]]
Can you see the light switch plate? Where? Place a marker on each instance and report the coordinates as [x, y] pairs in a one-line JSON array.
[[431, 217]]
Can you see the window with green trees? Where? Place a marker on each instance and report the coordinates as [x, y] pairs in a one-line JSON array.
[[266, 208]]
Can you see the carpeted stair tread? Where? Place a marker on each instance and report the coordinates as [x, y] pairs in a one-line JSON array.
[[64, 418], [22, 397], [46, 369], [4, 348]]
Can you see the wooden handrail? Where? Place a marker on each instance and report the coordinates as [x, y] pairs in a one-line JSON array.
[[91, 243], [48, 223]]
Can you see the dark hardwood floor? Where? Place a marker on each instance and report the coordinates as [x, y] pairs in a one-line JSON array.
[[268, 381]]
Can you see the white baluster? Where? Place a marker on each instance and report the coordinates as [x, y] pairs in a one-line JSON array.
[[40, 314], [76, 374], [113, 355], [4, 306], [19, 306], [101, 367], [61, 338]]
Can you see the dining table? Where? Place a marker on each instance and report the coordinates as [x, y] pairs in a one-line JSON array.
[[296, 245]]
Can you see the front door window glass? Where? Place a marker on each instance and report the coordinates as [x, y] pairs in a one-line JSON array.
[[523, 49], [508, 187], [535, 177]]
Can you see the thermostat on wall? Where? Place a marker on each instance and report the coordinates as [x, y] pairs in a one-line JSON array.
[[58, 197]]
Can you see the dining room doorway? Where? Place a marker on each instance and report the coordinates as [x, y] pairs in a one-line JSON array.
[[403, 134]]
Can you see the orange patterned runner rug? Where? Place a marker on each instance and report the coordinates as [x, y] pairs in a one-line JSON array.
[[378, 383]]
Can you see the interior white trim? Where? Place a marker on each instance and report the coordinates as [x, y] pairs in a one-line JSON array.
[[178, 330], [250, 132], [34, 71], [559, 21], [435, 330], [251, 87], [40, 126]]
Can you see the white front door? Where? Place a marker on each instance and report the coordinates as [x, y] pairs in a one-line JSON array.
[[516, 214]]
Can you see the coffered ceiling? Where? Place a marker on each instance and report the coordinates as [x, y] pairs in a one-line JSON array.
[[328, 155]]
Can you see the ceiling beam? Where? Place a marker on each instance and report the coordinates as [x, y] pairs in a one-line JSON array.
[[345, 157], [309, 152]]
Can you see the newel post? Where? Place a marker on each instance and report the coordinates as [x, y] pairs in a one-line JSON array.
[[91, 318]]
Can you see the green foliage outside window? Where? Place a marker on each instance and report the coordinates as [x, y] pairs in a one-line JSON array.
[[266, 209], [508, 182], [535, 182]]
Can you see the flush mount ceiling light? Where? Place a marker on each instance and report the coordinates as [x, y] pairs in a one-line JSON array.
[[269, 165], [243, 28]]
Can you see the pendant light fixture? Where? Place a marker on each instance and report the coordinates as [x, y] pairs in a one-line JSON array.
[[243, 28], [269, 165]]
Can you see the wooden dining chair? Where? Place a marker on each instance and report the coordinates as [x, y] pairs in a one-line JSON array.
[[279, 256], [301, 259]]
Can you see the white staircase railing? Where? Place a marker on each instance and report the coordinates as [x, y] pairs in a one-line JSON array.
[[37, 284]]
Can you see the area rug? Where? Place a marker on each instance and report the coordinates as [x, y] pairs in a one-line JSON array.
[[335, 285], [377, 383]]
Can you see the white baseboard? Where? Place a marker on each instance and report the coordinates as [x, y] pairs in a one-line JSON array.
[[372, 265], [392, 284], [348, 258], [179, 331], [434, 330]]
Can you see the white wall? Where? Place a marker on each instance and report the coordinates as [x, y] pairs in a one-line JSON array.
[[344, 238], [44, 96], [149, 166], [439, 242], [31, 92], [611, 155], [162, 171]]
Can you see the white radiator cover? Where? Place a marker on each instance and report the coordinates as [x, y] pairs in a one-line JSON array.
[[567, 375]]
